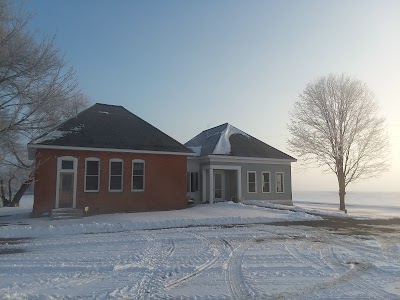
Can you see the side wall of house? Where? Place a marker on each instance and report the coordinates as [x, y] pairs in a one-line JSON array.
[[273, 196], [276, 197], [165, 182]]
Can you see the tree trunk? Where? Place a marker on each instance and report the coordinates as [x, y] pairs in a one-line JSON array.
[[342, 191], [2, 193], [9, 190], [20, 193]]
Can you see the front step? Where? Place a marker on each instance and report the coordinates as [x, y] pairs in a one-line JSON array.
[[66, 213]]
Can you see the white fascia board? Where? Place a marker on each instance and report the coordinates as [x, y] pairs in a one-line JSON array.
[[239, 159], [32, 146]]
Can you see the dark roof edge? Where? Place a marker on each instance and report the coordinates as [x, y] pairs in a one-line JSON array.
[[39, 146]]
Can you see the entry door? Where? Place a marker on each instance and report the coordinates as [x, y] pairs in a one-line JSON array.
[[219, 186], [66, 192], [66, 182]]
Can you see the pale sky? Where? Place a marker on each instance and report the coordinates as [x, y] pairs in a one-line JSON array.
[[186, 66]]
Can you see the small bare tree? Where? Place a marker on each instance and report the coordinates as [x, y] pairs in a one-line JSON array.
[[37, 91], [335, 124]]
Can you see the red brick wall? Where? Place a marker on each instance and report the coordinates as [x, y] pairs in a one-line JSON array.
[[165, 182]]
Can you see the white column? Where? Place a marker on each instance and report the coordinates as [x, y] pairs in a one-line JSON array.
[[211, 185], [239, 184], [204, 185]]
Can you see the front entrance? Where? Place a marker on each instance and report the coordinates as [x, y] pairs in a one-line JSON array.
[[66, 182], [66, 191], [219, 186]]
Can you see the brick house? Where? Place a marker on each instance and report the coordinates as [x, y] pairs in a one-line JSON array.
[[108, 160]]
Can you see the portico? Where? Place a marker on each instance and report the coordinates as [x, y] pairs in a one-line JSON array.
[[221, 183]]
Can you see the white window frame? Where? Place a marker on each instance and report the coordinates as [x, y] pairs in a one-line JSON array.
[[262, 182], [144, 175], [255, 182], [98, 175], [283, 182], [109, 174]]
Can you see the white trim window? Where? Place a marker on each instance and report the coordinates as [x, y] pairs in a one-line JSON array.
[[116, 169], [266, 182], [192, 182], [92, 174], [251, 182], [138, 171], [279, 179]]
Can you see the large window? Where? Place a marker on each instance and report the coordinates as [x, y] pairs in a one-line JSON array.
[[192, 182], [92, 174], [251, 182], [137, 175], [279, 182], [266, 182], [116, 171]]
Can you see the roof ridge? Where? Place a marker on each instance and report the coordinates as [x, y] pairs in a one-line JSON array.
[[214, 127], [105, 104]]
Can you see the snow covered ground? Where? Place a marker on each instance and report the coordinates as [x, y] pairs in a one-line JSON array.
[[128, 256]]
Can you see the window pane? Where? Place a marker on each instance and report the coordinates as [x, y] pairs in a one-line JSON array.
[[279, 183], [116, 168], [266, 187], [279, 177], [92, 183], [67, 165], [252, 187], [266, 183], [266, 177], [194, 182], [92, 167], [138, 168], [115, 183], [252, 177], [137, 183]]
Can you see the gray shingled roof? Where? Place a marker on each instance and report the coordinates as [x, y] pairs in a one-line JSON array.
[[227, 140], [110, 126]]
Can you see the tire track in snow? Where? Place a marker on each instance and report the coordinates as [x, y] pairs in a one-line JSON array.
[[296, 253], [216, 245], [357, 269], [152, 282], [338, 267], [234, 279]]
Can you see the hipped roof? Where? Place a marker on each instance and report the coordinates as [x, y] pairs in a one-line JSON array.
[[228, 140]]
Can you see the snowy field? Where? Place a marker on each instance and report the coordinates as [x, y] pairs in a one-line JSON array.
[[128, 256], [382, 204]]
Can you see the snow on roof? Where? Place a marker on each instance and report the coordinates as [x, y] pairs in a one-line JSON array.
[[53, 135], [224, 146]]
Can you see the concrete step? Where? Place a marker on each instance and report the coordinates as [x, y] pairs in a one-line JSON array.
[[66, 213]]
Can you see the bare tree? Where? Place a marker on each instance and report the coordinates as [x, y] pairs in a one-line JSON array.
[[37, 91], [335, 124]]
